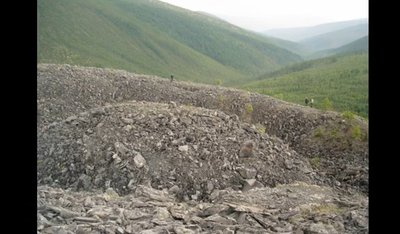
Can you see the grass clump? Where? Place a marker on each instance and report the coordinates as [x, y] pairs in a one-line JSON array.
[[327, 104], [348, 115], [356, 132], [319, 132], [218, 82], [315, 162], [260, 128], [249, 108]]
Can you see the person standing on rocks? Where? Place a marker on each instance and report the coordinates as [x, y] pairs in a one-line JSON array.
[[172, 78], [306, 101], [311, 102]]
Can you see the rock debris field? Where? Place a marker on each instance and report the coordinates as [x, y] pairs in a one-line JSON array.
[[126, 153]]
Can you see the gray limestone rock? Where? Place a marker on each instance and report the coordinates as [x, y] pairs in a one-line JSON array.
[[139, 160]]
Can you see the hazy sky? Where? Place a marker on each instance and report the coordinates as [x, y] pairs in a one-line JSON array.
[[259, 15]]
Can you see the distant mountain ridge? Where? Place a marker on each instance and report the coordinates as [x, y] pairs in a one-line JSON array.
[[336, 38], [359, 45], [153, 37], [301, 33]]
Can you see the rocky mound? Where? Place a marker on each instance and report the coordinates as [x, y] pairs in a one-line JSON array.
[[189, 150], [336, 146], [290, 208], [126, 153]]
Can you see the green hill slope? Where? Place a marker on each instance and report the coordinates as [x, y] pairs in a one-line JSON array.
[[339, 83], [147, 36], [360, 45], [294, 47]]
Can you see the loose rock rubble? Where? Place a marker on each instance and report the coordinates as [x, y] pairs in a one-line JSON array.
[[195, 149], [290, 208], [126, 153], [65, 91]]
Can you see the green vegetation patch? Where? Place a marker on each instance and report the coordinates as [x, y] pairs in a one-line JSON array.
[[152, 37], [338, 83], [315, 162]]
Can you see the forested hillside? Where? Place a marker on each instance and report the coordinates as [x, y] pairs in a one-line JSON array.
[[153, 37], [335, 83], [360, 45]]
